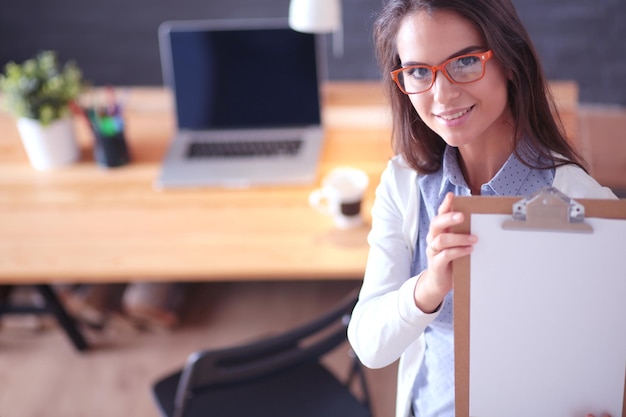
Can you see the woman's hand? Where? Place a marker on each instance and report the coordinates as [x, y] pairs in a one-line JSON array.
[[443, 248]]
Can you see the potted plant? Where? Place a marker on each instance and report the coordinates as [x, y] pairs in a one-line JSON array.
[[39, 93]]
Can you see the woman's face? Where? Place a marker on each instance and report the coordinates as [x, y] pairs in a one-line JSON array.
[[463, 115]]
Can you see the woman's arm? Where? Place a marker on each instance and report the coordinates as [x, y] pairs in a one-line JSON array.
[[385, 320]]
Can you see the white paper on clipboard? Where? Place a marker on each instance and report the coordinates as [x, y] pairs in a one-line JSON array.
[[547, 320]]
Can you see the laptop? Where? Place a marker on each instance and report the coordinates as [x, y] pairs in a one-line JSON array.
[[247, 103]]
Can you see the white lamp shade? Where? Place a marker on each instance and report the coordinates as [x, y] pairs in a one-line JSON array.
[[315, 16]]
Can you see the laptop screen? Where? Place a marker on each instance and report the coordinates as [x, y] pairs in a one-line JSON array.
[[241, 77]]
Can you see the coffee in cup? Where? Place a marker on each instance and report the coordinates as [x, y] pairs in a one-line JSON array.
[[340, 196]]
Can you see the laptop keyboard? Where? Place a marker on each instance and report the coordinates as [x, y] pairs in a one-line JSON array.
[[244, 149]]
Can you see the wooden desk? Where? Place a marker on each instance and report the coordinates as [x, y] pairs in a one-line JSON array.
[[87, 224]]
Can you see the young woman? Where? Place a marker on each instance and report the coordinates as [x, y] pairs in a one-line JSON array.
[[472, 115]]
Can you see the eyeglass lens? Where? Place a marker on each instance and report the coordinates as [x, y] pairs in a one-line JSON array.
[[416, 79]]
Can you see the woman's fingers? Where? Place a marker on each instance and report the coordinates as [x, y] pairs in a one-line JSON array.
[[445, 217], [439, 238], [445, 241], [443, 247], [441, 224]]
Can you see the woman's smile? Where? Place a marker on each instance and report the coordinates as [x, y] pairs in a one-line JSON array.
[[454, 117]]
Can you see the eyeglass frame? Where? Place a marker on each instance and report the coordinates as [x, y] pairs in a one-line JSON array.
[[483, 56]]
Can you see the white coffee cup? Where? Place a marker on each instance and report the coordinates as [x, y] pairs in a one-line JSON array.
[[340, 196]]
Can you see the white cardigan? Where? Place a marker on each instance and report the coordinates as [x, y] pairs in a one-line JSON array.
[[386, 324]]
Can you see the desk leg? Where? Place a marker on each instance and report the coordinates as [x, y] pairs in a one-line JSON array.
[[67, 322]]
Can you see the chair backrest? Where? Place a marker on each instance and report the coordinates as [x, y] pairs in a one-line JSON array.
[[308, 342]]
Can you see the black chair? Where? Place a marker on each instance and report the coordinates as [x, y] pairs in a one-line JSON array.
[[277, 376]]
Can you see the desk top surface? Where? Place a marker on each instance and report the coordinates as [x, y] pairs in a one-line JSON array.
[[83, 223], [89, 224]]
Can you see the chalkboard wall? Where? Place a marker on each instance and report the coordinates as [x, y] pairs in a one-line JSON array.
[[115, 41]]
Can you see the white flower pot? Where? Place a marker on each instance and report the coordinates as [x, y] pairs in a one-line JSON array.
[[49, 146]]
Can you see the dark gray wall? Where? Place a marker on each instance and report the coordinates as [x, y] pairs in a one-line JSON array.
[[115, 41]]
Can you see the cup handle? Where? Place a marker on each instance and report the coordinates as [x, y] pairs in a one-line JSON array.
[[318, 201]]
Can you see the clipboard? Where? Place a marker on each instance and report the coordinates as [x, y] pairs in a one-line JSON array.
[[548, 210]]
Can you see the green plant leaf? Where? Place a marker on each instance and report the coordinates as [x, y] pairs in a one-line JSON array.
[[40, 88]]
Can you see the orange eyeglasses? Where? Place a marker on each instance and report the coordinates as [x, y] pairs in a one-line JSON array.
[[464, 69]]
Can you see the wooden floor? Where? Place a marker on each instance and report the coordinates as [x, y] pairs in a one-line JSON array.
[[41, 375]]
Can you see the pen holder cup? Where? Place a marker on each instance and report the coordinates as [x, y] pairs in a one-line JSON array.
[[110, 150]]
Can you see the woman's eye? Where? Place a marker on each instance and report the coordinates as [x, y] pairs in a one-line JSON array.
[[418, 72], [467, 61]]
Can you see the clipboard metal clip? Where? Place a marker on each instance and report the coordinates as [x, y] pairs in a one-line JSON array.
[[548, 209]]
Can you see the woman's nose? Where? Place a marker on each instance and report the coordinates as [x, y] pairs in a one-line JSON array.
[[443, 89]]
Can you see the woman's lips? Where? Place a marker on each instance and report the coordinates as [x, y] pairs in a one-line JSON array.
[[456, 118], [455, 115]]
